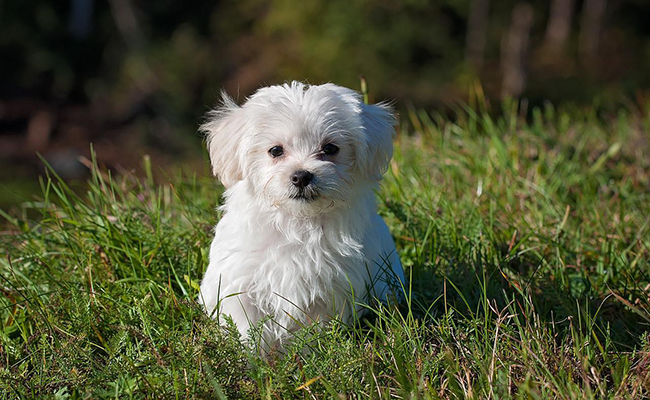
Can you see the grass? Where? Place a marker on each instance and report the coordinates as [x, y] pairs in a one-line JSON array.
[[526, 243]]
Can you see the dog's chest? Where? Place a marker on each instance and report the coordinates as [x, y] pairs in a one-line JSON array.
[[304, 270]]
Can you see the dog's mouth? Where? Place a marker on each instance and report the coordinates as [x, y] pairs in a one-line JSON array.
[[305, 195]]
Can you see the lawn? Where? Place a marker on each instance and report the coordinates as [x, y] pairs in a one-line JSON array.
[[526, 244]]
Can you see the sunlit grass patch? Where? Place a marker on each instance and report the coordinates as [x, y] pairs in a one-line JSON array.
[[526, 243]]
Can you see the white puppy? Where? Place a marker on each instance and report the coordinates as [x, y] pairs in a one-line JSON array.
[[300, 239]]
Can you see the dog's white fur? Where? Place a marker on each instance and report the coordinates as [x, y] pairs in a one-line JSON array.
[[292, 259]]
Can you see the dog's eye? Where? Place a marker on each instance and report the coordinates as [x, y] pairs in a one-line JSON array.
[[276, 151], [330, 149]]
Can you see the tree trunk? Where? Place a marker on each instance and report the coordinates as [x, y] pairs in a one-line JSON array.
[[477, 32], [514, 50], [559, 25]]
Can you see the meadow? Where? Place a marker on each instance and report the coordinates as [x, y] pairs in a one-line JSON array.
[[525, 237]]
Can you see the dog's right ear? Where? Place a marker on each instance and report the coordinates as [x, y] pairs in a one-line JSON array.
[[225, 131]]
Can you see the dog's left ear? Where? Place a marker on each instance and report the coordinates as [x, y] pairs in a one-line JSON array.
[[379, 128]]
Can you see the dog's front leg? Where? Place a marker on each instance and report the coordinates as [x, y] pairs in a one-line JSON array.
[[241, 310]]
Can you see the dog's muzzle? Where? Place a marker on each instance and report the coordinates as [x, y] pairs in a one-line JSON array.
[[303, 183]]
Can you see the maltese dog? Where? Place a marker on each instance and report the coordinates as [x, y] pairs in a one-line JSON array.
[[300, 239]]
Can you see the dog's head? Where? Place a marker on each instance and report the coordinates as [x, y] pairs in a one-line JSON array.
[[305, 149]]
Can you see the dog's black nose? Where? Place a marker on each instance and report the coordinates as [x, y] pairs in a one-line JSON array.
[[301, 178]]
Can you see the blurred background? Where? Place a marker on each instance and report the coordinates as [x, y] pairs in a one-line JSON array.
[[135, 77]]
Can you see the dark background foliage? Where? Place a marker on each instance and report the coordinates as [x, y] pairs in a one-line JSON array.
[[135, 76]]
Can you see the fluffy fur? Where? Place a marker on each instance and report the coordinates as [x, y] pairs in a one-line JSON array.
[[298, 254]]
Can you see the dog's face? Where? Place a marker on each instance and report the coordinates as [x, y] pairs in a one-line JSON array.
[[304, 149]]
